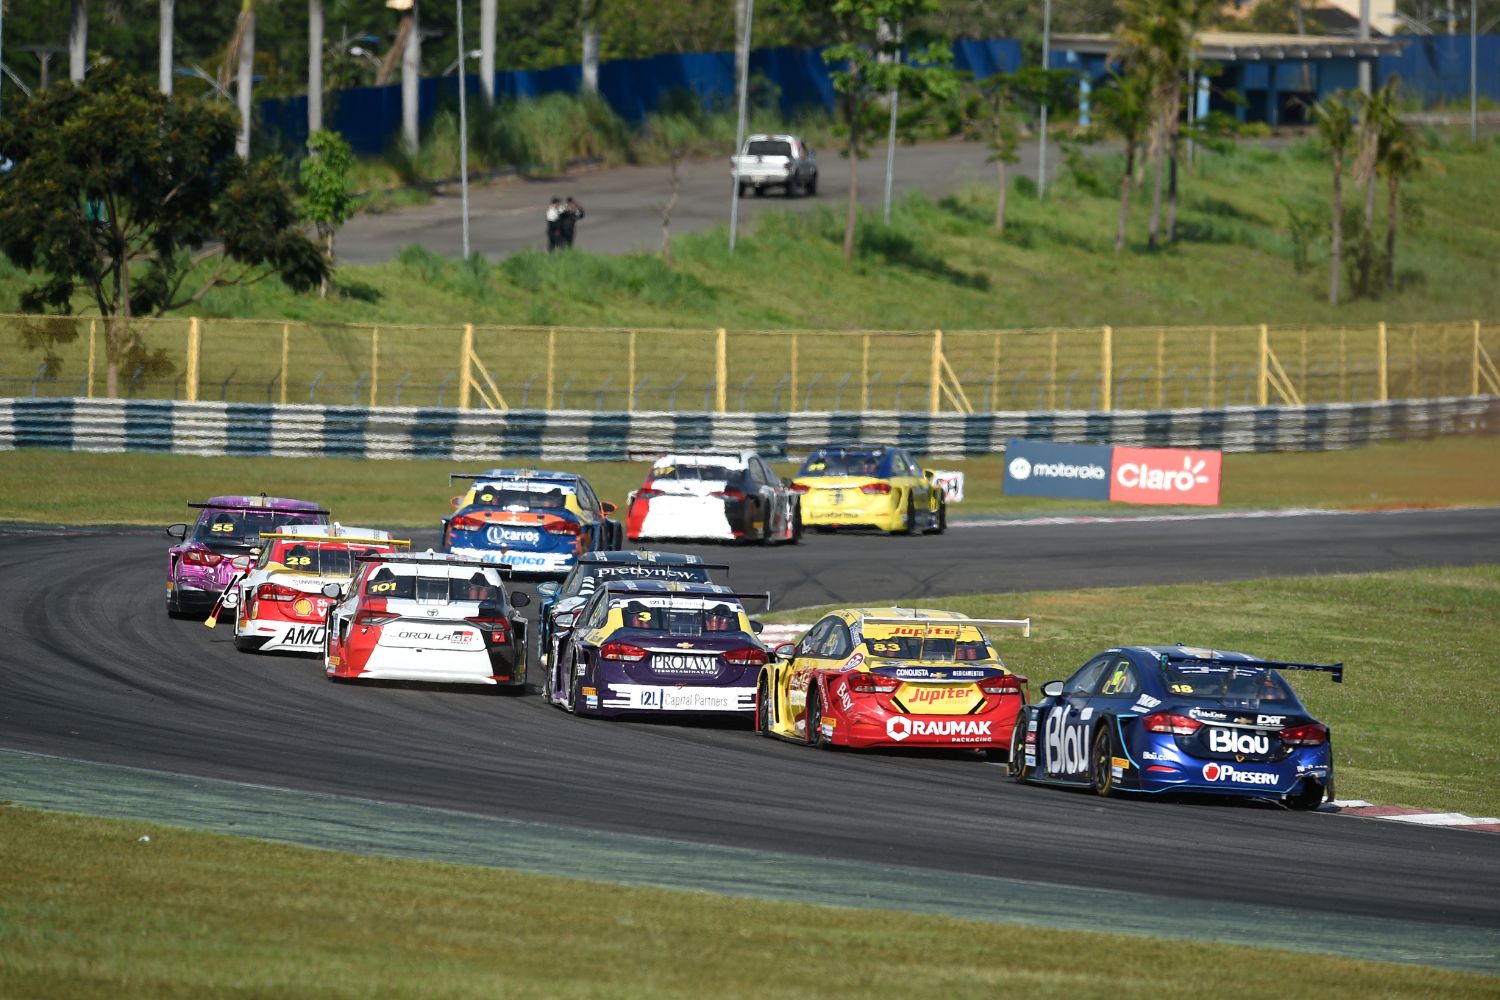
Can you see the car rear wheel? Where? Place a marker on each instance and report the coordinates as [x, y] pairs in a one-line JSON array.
[[814, 734], [1102, 764], [1308, 796], [812, 186], [765, 711], [575, 682], [909, 525]]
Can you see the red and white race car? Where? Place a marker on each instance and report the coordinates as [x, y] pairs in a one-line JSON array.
[[428, 616], [715, 496], [279, 605]]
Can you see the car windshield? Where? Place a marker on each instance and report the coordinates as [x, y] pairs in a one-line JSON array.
[[501, 496], [587, 576], [845, 462], [769, 147], [712, 473], [316, 558], [431, 589], [240, 529], [680, 620], [1232, 684]]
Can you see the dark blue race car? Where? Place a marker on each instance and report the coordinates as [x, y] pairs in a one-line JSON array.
[[1172, 719], [534, 521]]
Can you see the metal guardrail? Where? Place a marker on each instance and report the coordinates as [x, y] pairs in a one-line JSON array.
[[630, 370], [294, 430]]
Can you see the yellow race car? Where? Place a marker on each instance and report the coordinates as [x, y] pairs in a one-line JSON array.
[[870, 486], [893, 677]]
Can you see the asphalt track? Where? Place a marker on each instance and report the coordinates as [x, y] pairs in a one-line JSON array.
[[91, 669]]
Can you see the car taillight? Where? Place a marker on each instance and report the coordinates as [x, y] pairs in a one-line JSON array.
[[561, 527], [872, 684], [498, 629], [467, 523], [1312, 734], [647, 494], [729, 495], [370, 619], [800, 487], [747, 656], [881, 488], [1171, 722], [1009, 684], [622, 651], [276, 592], [195, 558]]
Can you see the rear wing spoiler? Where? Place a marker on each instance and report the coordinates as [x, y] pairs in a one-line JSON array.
[[351, 539], [1336, 669], [623, 587], [258, 508], [594, 560], [419, 559], [1021, 624]]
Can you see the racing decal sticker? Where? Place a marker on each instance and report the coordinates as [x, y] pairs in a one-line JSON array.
[[1145, 703], [854, 661], [1231, 741], [901, 727], [1067, 746], [497, 534], [1238, 776]]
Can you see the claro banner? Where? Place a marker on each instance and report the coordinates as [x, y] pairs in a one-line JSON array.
[[1100, 472]]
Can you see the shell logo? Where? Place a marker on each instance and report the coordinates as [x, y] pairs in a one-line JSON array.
[[302, 606]]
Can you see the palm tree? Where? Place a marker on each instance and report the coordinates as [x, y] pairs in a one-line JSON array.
[[408, 49], [1377, 115], [1125, 110], [241, 53], [487, 49], [588, 15], [314, 66], [167, 25], [1401, 155], [1334, 116], [78, 41]]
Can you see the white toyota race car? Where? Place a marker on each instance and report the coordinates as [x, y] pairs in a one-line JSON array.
[[715, 496], [279, 605]]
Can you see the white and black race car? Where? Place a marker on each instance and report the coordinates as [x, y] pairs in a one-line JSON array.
[[714, 496]]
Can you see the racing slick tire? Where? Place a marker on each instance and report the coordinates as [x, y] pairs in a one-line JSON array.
[[575, 692], [742, 189], [940, 518], [764, 710], [813, 737], [812, 187], [1017, 767], [1101, 761], [793, 187], [248, 643], [796, 526], [1308, 796], [909, 525]]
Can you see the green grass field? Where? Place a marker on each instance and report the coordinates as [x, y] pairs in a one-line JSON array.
[[152, 489], [88, 909], [1416, 721]]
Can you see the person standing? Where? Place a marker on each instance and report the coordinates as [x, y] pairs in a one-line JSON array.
[[554, 224], [571, 213]]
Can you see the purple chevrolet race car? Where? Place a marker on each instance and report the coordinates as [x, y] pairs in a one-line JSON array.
[[220, 546]]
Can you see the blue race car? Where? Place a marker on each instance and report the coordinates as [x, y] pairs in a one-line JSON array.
[[1176, 719], [535, 522]]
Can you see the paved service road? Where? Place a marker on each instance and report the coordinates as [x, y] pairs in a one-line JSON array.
[[623, 204], [93, 670]]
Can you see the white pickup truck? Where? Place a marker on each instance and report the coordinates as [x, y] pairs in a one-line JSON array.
[[783, 161]]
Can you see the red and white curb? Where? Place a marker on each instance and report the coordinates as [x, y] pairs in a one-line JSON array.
[[1406, 814]]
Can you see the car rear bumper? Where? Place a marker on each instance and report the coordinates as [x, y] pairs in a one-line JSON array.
[[542, 563], [617, 699]]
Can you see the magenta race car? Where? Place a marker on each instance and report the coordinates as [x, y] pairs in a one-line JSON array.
[[222, 544]]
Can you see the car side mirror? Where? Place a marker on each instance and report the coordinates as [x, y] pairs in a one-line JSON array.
[[519, 598], [757, 627], [1052, 689], [785, 651], [608, 507], [548, 589], [332, 590], [929, 473], [177, 531]]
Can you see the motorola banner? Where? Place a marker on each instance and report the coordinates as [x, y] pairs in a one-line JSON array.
[[1100, 472], [1044, 469]]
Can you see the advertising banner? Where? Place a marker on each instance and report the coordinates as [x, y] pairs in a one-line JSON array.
[[1044, 469], [1165, 475]]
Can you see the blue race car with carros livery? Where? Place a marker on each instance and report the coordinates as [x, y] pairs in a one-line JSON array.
[[535, 522], [1157, 719]]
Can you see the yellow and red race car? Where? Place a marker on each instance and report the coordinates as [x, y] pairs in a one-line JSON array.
[[866, 486], [894, 677]]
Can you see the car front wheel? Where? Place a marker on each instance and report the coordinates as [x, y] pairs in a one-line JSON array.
[[1017, 767]]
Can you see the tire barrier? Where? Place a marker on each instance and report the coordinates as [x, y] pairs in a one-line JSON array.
[[115, 425]]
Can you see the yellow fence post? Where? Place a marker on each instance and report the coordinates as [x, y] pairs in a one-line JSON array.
[[194, 345], [551, 364], [465, 382], [1263, 382], [374, 363], [721, 370], [792, 400], [1051, 375], [630, 372], [864, 375], [1213, 365], [286, 358], [934, 399], [1106, 369], [1473, 378], [93, 332], [1385, 385]]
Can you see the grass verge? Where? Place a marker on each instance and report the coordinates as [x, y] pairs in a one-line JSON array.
[[90, 909], [137, 488], [1416, 721]]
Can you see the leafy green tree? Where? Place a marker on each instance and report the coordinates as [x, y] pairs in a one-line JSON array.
[[327, 175], [1401, 155], [1124, 109], [675, 135], [1335, 117], [996, 111], [140, 201]]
